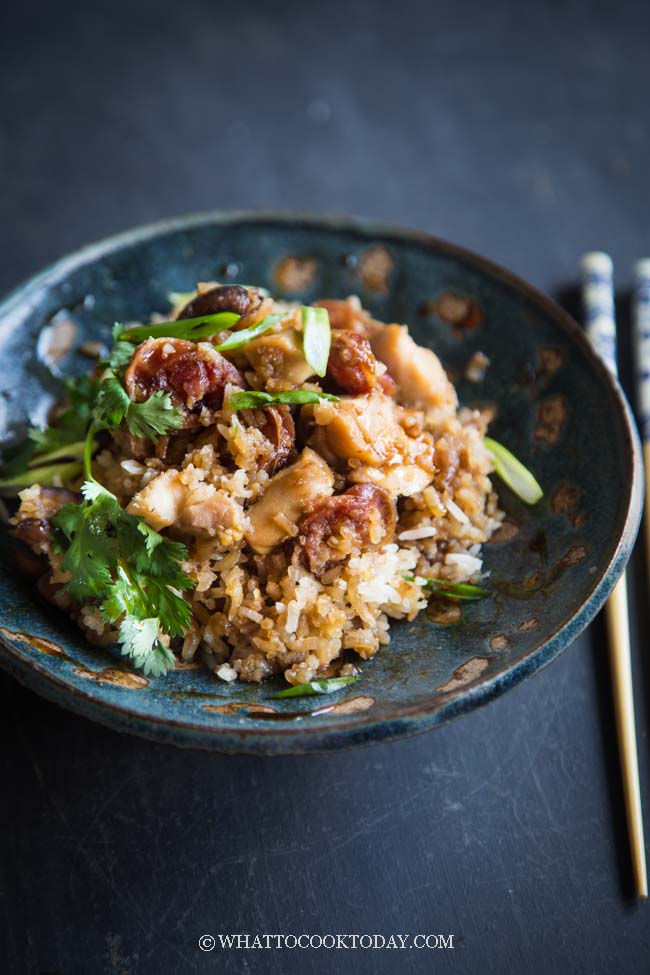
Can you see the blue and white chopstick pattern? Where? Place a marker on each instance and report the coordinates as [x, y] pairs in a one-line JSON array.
[[641, 319], [598, 301]]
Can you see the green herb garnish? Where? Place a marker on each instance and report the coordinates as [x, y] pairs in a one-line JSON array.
[[72, 422], [246, 335], [192, 329], [513, 473], [463, 591], [189, 328], [253, 399], [316, 337], [133, 572], [54, 454], [120, 355], [326, 686], [115, 558], [153, 417]]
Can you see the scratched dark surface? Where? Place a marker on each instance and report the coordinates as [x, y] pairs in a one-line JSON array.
[[521, 134]]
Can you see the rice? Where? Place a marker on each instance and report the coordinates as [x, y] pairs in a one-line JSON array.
[[467, 564], [227, 673], [415, 534], [456, 512]]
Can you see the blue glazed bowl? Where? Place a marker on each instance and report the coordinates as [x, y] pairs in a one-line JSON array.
[[557, 408]]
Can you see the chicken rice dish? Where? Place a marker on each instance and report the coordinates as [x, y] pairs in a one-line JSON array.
[[259, 486]]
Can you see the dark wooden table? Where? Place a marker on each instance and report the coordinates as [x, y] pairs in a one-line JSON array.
[[521, 133]]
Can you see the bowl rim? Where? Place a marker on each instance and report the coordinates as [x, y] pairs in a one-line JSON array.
[[407, 720]]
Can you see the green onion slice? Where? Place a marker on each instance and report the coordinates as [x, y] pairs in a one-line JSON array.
[[513, 473], [246, 335], [316, 338], [463, 591], [326, 686], [253, 399], [185, 328]]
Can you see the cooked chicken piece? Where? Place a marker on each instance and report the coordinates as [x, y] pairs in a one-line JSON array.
[[275, 516], [363, 429], [352, 365], [213, 514], [161, 501], [400, 481], [365, 433], [279, 355], [195, 375], [342, 525], [170, 499], [419, 375]]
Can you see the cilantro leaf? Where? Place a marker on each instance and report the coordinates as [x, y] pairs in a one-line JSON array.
[[139, 641], [112, 403], [122, 597], [169, 606], [92, 549], [120, 357], [154, 417]]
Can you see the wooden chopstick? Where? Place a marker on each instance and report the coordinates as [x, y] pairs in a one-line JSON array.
[[641, 320], [600, 321]]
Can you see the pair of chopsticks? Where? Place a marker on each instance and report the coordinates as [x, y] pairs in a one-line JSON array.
[[600, 322]]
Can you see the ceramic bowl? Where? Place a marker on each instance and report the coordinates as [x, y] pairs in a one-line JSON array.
[[551, 566]]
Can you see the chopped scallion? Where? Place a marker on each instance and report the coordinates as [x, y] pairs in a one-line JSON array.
[[316, 337], [246, 335], [326, 686], [185, 328], [513, 473], [252, 399], [463, 591]]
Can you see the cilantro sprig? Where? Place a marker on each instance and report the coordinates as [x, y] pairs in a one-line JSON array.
[[54, 454], [152, 418], [134, 574], [116, 559]]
